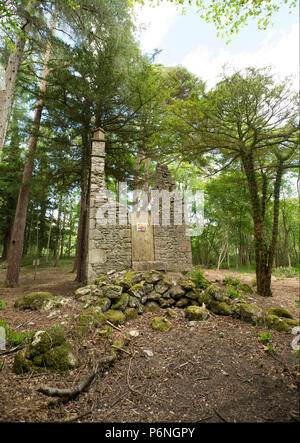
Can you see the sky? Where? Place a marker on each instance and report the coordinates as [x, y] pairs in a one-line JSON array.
[[189, 41]]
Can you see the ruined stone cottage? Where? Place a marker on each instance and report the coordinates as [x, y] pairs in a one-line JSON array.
[[138, 239]]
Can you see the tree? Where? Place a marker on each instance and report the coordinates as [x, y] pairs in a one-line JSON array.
[[249, 119], [230, 15]]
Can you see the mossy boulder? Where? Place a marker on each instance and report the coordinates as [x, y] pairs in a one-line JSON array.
[[220, 307], [166, 302], [187, 284], [205, 298], [161, 324], [183, 302], [280, 312], [80, 292], [38, 301], [153, 276], [116, 317], [131, 313], [193, 295], [130, 279], [151, 306], [276, 323], [101, 281], [90, 318], [196, 313], [162, 286], [217, 293], [248, 312], [112, 291], [136, 303], [138, 290], [171, 313], [122, 303], [177, 292], [291, 322], [104, 303], [48, 349]]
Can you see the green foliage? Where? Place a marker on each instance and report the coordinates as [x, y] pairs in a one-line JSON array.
[[198, 278], [15, 338], [265, 337], [285, 272], [232, 281], [2, 304], [233, 292]]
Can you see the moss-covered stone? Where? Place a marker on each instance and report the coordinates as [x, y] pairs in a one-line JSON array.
[[217, 293], [171, 313], [166, 302], [130, 279], [248, 312], [280, 312], [161, 324], [112, 291], [151, 306], [177, 292], [136, 303], [131, 313], [104, 303], [38, 301], [116, 317], [276, 323], [291, 322], [183, 302], [205, 298], [21, 364], [101, 280], [187, 284], [193, 295], [220, 307], [138, 290], [153, 276], [90, 318], [162, 286], [48, 349], [122, 303], [196, 313]]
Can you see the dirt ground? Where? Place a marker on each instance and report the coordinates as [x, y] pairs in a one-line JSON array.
[[212, 371]]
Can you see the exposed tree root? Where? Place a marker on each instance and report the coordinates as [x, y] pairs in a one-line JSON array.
[[68, 393]]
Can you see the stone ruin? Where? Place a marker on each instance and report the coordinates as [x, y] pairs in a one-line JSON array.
[[133, 239]]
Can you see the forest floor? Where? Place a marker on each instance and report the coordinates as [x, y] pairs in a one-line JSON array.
[[213, 371]]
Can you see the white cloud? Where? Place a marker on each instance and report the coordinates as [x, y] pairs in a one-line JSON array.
[[279, 50], [157, 20]]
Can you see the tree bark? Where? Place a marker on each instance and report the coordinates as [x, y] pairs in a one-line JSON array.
[[17, 238], [11, 72]]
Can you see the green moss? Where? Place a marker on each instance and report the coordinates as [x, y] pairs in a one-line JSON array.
[[131, 314], [21, 364], [100, 280], [171, 313], [112, 291], [130, 279], [231, 281], [138, 290], [166, 302], [220, 308], [280, 312], [245, 288], [183, 302], [161, 324], [276, 323], [115, 317], [153, 276], [36, 301], [122, 303], [59, 358], [248, 312], [196, 313], [90, 318], [187, 284], [205, 298], [291, 322], [151, 306], [103, 303]]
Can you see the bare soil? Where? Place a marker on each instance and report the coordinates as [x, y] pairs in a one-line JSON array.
[[213, 371]]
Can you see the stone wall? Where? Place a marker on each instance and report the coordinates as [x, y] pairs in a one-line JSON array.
[[110, 244]]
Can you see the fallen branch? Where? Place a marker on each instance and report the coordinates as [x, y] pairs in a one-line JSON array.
[[80, 387]]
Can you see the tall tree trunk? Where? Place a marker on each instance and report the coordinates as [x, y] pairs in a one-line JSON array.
[[63, 230], [17, 238], [71, 229], [80, 264], [58, 234], [11, 72], [49, 236]]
